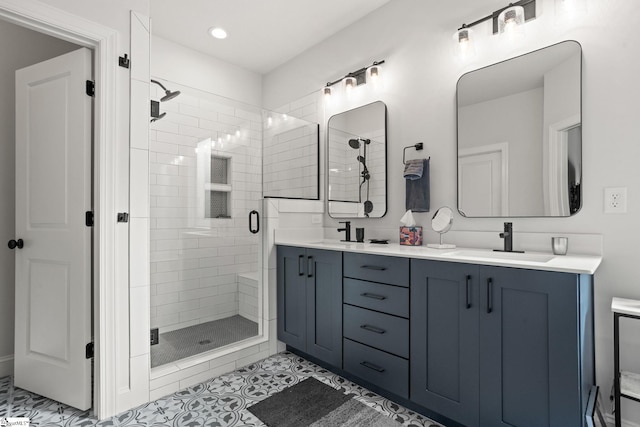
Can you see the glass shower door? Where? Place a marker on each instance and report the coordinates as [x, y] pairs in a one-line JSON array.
[[205, 180]]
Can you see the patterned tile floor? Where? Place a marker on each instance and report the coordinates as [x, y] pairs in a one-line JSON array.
[[219, 402]]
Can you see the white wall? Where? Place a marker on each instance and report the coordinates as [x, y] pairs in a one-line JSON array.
[[19, 47], [420, 75], [189, 67]]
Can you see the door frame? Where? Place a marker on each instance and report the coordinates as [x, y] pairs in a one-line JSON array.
[[502, 148], [102, 41]]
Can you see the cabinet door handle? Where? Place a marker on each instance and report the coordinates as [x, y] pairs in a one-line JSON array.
[[373, 329], [373, 267], [300, 265], [310, 266], [372, 366], [373, 296], [489, 295], [468, 290]]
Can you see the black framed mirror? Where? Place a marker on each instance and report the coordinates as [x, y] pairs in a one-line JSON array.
[[520, 136], [357, 162]]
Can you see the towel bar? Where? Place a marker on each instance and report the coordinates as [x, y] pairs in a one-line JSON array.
[[419, 146]]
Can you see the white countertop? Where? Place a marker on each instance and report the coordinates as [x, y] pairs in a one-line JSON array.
[[625, 306], [580, 264]]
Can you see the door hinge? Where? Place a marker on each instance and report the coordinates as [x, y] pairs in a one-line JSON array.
[[88, 351], [88, 218], [91, 88], [124, 61]]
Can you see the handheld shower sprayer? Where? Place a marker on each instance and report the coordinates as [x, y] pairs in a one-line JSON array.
[[356, 143]]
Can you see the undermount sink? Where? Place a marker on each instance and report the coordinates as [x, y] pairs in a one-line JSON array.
[[507, 256], [334, 242]]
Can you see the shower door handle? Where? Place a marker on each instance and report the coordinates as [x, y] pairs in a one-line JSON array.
[[16, 244], [257, 222]]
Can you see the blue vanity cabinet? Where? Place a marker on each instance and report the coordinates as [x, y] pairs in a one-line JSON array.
[[536, 347], [444, 339], [309, 289], [497, 346]]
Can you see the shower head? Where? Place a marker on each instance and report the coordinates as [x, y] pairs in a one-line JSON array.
[[357, 142], [168, 94]]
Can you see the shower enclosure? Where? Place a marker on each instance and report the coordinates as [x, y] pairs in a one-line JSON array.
[[206, 188], [205, 179]]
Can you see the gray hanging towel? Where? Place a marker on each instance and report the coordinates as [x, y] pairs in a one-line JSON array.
[[417, 195], [413, 169]]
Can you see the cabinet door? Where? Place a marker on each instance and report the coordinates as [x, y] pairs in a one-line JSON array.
[[291, 296], [324, 305], [529, 349], [444, 338]]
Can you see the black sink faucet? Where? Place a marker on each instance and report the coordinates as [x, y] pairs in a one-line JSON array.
[[507, 236], [347, 230]]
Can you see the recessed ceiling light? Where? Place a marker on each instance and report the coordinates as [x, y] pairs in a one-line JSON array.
[[218, 32]]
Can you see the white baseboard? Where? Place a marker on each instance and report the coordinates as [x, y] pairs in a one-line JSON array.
[[6, 365]]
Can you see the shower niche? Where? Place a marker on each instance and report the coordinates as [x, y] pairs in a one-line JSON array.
[[357, 162], [206, 156]]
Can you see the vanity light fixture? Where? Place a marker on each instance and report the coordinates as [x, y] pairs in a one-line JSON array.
[[349, 83], [506, 20], [355, 78], [510, 20]]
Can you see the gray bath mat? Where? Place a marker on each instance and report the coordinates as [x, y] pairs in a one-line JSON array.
[[312, 403]]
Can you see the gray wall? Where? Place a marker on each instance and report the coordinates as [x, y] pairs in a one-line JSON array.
[[19, 48]]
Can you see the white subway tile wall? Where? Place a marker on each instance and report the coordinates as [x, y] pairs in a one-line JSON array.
[[290, 156], [195, 260]]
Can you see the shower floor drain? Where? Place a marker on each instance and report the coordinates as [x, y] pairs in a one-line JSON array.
[[204, 342]]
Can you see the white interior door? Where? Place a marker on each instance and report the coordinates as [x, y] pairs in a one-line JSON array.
[[482, 181], [53, 192]]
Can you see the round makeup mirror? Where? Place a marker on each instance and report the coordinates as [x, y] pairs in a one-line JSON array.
[[441, 223]]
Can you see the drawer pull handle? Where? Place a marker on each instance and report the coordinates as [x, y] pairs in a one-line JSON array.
[[468, 289], [372, 366], [373, 329], [373, 267], [374, 296]]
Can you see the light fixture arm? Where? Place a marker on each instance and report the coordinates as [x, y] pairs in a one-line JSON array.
[[529, 13], [355, 74]]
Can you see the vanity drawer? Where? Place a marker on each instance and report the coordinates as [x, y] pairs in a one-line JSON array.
[[375, 296], [377, 268], [388, 333], [377, 367]]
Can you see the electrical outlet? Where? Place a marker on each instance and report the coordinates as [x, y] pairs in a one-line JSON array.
[[615, 200]]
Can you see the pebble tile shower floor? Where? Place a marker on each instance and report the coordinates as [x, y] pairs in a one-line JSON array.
[[219, 402]]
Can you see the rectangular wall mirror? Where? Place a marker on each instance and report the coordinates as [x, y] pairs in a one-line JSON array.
[[519, 136], [357, 162]]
